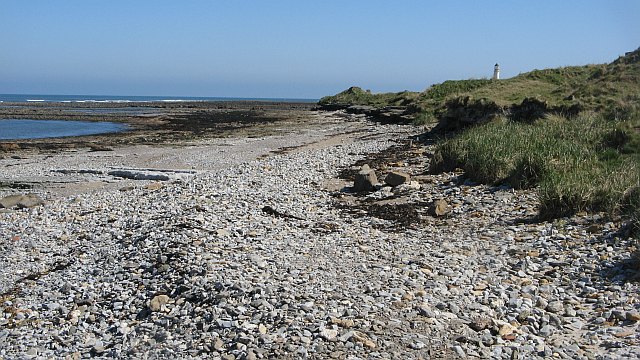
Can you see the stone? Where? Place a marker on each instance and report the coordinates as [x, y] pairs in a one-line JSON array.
[[139, 175], [506, 329], [223, 232], [99, 147], [218, 344], [555, 307], [21, 201], [153, 186], [329, 334], [363, 339], [632, 316], [545, 331], [158, 303], [365, 180], [480, 323], [345, 323], [439, 208], [396, 178]]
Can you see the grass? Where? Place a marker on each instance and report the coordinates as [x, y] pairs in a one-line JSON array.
[[584, 164], [590, 162]]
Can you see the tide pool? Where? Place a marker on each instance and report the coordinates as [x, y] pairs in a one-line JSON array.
[[15, 129]]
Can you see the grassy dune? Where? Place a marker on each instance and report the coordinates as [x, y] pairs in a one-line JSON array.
[[573, 133]]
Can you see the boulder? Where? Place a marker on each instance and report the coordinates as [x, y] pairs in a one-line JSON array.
[[396, 178], [365, 180], [21, 201]]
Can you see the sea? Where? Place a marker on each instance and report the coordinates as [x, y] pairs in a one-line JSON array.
[[125, 99], [14, 129]]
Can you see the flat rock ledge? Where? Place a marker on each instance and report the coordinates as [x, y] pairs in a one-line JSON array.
[[198, 268]]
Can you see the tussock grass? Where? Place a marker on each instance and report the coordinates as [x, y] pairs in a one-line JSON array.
[[574, 163]]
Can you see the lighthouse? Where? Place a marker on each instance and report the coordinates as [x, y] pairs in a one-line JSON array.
[[496, 72]]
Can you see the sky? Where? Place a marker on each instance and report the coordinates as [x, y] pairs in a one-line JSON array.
[[296, 49]]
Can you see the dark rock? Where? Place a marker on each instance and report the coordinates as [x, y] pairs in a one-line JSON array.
[[99, 147], [396, 178], [365, 180]]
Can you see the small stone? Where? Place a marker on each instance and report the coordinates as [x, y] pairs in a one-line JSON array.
[[363, 339], [506, 329], [459, 351], [158, 302], [329, 334], [480, 323], [223, 232], [555, 307], [218, 344], [154, 186], [632, 316], [439, 208], [345, 323], [262, 329], [624, 333], [545, 331]]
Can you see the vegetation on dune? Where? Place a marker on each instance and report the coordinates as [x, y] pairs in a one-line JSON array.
[[357, 96], [583, 164], [573, 133]]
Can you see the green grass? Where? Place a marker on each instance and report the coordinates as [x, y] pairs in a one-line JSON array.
[[582, 164], [587, 163]]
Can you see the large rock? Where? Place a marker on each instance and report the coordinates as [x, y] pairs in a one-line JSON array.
[[21, 201], [365, 180], [139, 175], [396, 178]]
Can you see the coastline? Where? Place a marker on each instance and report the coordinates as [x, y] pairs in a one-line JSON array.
[[195, 267]]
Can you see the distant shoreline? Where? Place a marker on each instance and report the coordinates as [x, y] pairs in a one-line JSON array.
[[156, 122]]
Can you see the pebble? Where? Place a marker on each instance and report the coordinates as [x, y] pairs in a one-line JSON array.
[[194, 268]]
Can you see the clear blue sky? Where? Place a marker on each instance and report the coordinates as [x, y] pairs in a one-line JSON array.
[[301, 49]]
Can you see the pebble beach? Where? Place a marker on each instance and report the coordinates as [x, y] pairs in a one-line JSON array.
[[255, 248]]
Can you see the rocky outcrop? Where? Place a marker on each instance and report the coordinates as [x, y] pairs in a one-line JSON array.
[[385, 115]]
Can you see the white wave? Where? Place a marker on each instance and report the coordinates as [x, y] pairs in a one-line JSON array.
[[35, 100]]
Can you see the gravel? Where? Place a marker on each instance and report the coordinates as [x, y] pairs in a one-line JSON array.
[[196, 268]]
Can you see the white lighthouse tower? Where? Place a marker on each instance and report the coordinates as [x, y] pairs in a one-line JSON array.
[[496, 72]]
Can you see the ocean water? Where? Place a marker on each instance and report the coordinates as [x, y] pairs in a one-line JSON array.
[[13, 129], [125, 99]]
